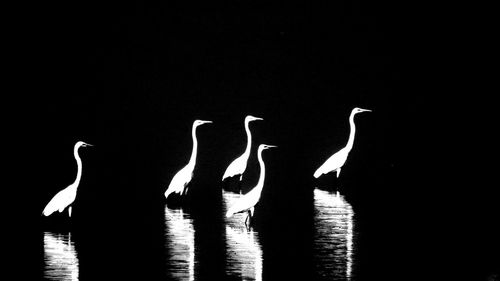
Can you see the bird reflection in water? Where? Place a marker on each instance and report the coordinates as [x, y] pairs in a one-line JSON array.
[[180, 244], [243, 249], [61, 261], [333, 237]]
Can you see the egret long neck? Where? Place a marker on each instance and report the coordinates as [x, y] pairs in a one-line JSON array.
[[79, 164], [192, 160], [260, 183], [350, 142], [249, 140]]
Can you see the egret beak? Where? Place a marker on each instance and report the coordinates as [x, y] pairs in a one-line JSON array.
[[365, 110], [88, 144], [206, 122], [272, 146], [258, 118]]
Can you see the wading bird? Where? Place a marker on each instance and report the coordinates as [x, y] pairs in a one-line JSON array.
[[337, 160], [184, 176], [247, 202], [66, 197], [239, 165]]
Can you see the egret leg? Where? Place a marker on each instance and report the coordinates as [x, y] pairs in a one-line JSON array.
[[248, 220], [69, 211], [338, 172]]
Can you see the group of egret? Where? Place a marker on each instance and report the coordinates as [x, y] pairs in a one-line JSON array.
[[180, 182]]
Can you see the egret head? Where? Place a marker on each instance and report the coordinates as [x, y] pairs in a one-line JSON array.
[[359, 110], [252, 118], [266, 146], [82, 144], [200, 122]]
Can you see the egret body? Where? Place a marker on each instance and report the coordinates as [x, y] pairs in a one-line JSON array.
[[337, 160], [66, 197], [239, 165], [184, 176], [247, 202]]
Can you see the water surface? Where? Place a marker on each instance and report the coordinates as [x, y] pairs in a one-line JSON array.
[[334, 236], [61, 260], [179, 235], [196, 246], [243, 248]]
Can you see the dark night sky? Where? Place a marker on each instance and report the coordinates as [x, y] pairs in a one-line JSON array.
[[131, 78]]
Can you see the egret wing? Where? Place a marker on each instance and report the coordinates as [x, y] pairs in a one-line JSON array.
[[244, 203], [179, 181], [237, 167], [335, 161], [59, 202]]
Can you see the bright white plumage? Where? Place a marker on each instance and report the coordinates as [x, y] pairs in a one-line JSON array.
[[184, 176], [334, 163], [337, 160], [67, 196], [239, 165], [248, 201], [61, 200], [180, 181]]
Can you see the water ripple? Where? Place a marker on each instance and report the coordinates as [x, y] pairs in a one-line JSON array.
[[179, 234], [334, 235], [61, 261], [243, 248]]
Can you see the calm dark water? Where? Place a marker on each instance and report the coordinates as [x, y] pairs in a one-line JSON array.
[[131, 79], [183, 252]]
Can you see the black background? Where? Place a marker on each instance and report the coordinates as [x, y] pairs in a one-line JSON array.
[[131, 78]]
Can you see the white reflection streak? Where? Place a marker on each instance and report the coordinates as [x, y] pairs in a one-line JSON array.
[[349, 244], [180, 243], [334, 224], [61, 262], [243, 249], [244, 253]]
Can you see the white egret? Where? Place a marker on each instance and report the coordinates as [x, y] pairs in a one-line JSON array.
[[239, 165], [247, 202], [337, 160], [184, 176], [66, 197]]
